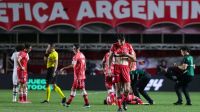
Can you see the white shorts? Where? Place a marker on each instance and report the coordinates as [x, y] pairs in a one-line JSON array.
[[15, 78]]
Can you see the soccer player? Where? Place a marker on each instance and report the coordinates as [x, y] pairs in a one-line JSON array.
[[186, 77], [51, 59], [22, 73], [79, 65], [122, 53], [139, 80], [14, 77], [108, 81]]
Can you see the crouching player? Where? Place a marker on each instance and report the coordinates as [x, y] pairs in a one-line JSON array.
[[139, 80], [110, 99], [131, 99], [22, 61]]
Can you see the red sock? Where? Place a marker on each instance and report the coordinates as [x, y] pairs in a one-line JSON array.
[[70, 99], [86, 99], [20, 97], [125, 98], [24, 97], [119, 102]]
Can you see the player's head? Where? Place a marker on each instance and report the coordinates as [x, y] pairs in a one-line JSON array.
[[51, 47], [185, 51], [27, 47], [19, 48], [76, 48], [121, 39]]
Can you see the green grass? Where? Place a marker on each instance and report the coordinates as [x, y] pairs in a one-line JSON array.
[[163, 102]]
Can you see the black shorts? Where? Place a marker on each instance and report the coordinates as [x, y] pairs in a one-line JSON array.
[[50, 79]]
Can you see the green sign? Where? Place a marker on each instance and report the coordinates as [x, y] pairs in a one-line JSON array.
[[36, 84]]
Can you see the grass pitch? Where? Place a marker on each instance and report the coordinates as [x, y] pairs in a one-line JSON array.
[[163, 102]]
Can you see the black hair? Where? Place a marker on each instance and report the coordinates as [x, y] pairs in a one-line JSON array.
[[185, 49], [27, 46], [120, 37], [52, 45], [19, 47], [77, 46]]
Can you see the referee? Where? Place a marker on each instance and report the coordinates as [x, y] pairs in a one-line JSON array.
[[139, 80], [51, 59], [186, 77]]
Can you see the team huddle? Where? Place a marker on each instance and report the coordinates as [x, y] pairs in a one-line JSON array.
[[123, 80]]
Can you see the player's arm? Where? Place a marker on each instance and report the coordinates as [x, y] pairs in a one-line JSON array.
[[183, 66], [66, 67], [103, 62], [131, 55], [110, 59], [46, 54], [19, 63]]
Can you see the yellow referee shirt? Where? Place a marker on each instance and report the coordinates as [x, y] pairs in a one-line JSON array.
[[53, 56]]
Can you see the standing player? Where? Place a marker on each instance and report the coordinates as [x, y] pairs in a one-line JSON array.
[[14, 77], [122, 53], [108, 81], [186, 77], [79, 65], [22, 73], [51, 58], [139, 80]]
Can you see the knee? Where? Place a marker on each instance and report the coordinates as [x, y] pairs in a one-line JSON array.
[[127, 90]]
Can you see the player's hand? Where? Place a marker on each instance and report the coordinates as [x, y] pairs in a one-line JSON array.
[[54, 74], [175, 65], [109, 72], [23, 68]]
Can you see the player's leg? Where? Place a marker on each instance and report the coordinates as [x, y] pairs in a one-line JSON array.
[[178, 86], [73, 93], [20, 92], [59, 91], [71, 97], [48, 88], [126, 93], [20, 81], [85, 97], [118, 95], [81, 85], [142, 84], [15, 86], [125, 79], [185, 90]]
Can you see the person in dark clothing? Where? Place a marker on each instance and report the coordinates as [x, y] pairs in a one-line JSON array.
[[187, 68], [139, 80]]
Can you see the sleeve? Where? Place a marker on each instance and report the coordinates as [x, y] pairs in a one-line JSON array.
[[185, 60], [112, 49], [12, 57], [74, 60], [131, 51]]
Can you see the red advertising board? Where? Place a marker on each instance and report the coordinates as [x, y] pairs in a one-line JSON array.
[[42, 14]]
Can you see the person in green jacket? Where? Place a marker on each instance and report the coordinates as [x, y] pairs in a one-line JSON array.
[[139, 80], [186, 77]]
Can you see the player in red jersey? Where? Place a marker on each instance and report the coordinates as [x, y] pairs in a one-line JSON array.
[[22, 61], [110, 99], [79, 65], [123, 53]]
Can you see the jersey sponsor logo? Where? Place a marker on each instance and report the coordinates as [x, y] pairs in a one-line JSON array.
[[154, 84]]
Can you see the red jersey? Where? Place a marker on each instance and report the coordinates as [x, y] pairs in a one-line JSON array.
[[79, 66], [105, 62], [24, 60], [119, 49]]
